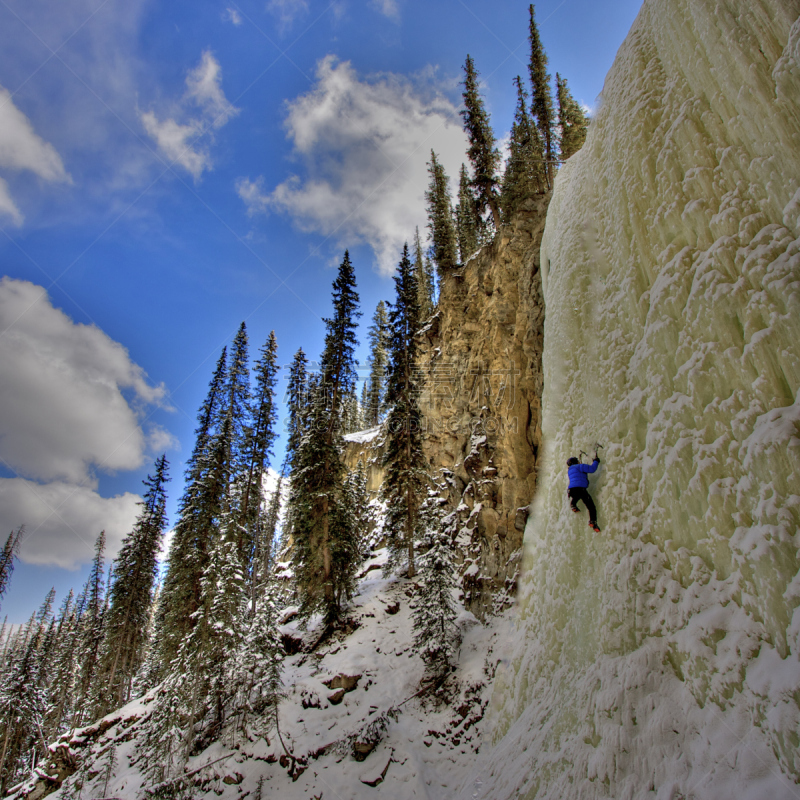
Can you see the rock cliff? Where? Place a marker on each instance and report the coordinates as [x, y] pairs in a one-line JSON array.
[[481, 354]]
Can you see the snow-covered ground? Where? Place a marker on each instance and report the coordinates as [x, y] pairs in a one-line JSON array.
[[428, 746], [661, 658]]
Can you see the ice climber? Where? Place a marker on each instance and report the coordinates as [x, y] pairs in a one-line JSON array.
[[578, 485]]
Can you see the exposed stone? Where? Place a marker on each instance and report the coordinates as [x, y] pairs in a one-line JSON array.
[[336, 698], [346, 682], [481, 354]]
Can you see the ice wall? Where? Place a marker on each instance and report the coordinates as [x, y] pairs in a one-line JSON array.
[[660, 658]]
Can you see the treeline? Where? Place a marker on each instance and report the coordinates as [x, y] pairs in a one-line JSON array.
[[545, 133], [206, 640]]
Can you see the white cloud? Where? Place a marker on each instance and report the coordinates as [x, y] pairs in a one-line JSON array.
[[63, 416], [62, 520], [364, 145], [203, 85], [177, 142], [62, 409], [388, 8], [21, 148], [180, 142], [253, 195], [232, 15], [286, 12], [8, 206]]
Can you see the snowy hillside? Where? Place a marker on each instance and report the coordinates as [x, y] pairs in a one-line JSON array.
[[339, 695], [661, 658]]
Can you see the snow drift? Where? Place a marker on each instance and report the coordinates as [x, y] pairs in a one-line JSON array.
[[660, 658]]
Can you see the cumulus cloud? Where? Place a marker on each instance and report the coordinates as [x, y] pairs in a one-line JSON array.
[[71, 404], [286, 12], [62, 408], [21, 148], [62, 520], [187, 143], [364, 145]]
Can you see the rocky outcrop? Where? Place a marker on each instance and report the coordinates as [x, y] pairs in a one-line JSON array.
[[481, 354]]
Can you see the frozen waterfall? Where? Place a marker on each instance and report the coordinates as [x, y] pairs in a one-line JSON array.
[[661, 658]]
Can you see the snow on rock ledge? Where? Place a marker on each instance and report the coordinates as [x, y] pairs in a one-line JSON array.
[[659, 659]]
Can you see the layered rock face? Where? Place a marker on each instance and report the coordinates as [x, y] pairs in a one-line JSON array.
[[661, 658], [481, 356]]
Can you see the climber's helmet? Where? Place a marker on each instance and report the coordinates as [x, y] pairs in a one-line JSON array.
[[572, 461]]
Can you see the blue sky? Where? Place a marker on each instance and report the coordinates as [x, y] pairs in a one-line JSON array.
[[168, 170]]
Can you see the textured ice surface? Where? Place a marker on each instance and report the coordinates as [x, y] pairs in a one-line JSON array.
[[660, 658]]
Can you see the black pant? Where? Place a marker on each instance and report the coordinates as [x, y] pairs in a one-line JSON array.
[[579, 493]]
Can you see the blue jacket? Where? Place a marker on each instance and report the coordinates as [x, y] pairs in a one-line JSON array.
[[578, 473]]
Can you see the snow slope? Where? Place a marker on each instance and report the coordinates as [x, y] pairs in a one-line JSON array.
[[425, 750], [660, 658]]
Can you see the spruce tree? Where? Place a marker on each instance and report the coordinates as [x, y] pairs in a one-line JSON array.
[[90, 637], [297, 401], [440, 219], [572, 122], [483, 153], [435, 631], [7, 557], [424, 277], [131, 596], [237, 409], [542, 98], [188, 554], [62, 670], [324, 553], [525, 172], [376, 396], [405, 477], [23, 703], [468, 220], [259, 439]]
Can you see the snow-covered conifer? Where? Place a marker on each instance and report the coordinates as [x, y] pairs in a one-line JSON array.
[[7, 556], [525, 173], [131, 597], [406, 479], [323, 569], [435, 631], [378, 340]]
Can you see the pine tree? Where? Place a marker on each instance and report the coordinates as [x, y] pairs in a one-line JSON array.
[[188, 554], [323, 550], [483, 153], [376, 396], [91, 633], [357, 488], [131, 597], [256, 669], [440, 219], [258, 449], [297, 401], [572, 122], [542, 98], [23, 701], [237, 409], [7, 557], [424, 276], [435, 631], [405, 477], [525, 173], [468, 220]]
